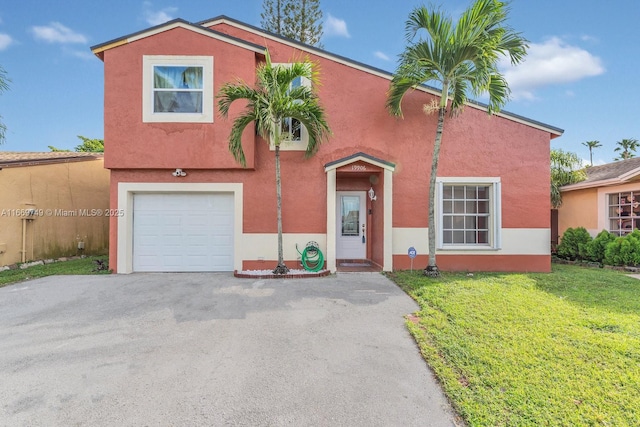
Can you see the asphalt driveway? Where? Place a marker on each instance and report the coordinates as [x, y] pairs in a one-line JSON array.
[[212, 350]]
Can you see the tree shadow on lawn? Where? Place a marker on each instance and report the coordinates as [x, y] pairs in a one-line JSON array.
[[602, 289]]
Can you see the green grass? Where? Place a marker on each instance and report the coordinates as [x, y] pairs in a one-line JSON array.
[[559, 349], [79, 266]]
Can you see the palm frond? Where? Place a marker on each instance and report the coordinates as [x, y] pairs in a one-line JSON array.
[[271, 101], [449, 55], [230, 92], [566, 168], [235, 138]]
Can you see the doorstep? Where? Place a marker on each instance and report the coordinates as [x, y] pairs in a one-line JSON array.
[[357, 266]]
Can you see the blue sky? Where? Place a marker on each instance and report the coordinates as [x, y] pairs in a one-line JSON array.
[[580, 74]]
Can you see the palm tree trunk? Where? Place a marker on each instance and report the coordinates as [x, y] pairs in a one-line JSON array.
[[432, 268], [280, 268]]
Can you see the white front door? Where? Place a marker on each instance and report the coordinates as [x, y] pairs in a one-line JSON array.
[[351, 225]]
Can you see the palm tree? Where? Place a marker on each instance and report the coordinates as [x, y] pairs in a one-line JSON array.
[[566, 168], [460, 58], [268, 105], [627, 148], [591, 145]]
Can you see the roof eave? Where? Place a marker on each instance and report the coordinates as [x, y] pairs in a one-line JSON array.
[[553, 131], [618, 180], [627, 176], [38, 162], [591, 184], [99, 49]]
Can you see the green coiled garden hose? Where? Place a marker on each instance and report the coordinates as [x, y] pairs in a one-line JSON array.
[[312, 258]]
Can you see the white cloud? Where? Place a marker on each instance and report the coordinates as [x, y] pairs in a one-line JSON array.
[[588, 38], [55, 32], [82, 54], [381, 55], [548, 63], [335, 27], [157, 17], [5, 41]]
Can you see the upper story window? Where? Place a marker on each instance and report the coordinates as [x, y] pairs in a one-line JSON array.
[[469, 213], [292, 128], [295, 134], [177, 89], [624, 212]]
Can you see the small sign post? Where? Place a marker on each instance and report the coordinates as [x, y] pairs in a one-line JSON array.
[[412, 255]]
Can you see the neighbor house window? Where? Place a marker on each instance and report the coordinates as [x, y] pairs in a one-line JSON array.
[[624, 212], [295, 135], [177, 89], [469, 213]]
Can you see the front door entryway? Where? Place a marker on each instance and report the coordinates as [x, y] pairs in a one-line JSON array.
[[351, 221]]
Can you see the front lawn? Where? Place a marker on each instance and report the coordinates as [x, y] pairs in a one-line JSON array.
[[559, 349], [78, 266]]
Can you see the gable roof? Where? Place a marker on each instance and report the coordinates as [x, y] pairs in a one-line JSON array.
[[170, 25], [613, 173], [24, 158], [202, 27], [357, 157]]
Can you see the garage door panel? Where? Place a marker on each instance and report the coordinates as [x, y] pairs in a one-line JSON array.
[[183, 232]]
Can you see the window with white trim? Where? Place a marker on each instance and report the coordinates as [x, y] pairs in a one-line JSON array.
[[468, 213], [177, 89], [295, 134], [623, 212]]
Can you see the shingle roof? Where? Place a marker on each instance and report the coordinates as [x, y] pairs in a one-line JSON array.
[[608, 174], [612, 170], [27, 158]]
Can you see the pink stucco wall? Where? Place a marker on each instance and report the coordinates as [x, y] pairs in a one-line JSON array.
[[130, 143], [474, 144]]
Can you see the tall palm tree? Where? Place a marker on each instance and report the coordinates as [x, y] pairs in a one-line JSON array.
[[591, 145], [627, 148], [269, 103], [461, 59], [566, 168]]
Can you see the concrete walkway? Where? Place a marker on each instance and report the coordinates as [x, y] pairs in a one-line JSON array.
[[212, 350]]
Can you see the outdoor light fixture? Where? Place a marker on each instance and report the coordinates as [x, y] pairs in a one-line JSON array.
[[372, 194], [179, 173]]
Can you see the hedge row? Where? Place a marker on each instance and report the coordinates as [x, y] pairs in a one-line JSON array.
[[607, 248]]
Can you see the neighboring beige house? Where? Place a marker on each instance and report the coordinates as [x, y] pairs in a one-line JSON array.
[[52, 204], [609, 199]]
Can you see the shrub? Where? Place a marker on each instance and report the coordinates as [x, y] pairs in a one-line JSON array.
[[596, 248], [624, 250], [573, 244]]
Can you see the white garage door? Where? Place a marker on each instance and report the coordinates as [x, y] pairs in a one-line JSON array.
[[183, 232]]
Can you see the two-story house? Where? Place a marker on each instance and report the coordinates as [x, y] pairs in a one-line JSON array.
[[182, 203]]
